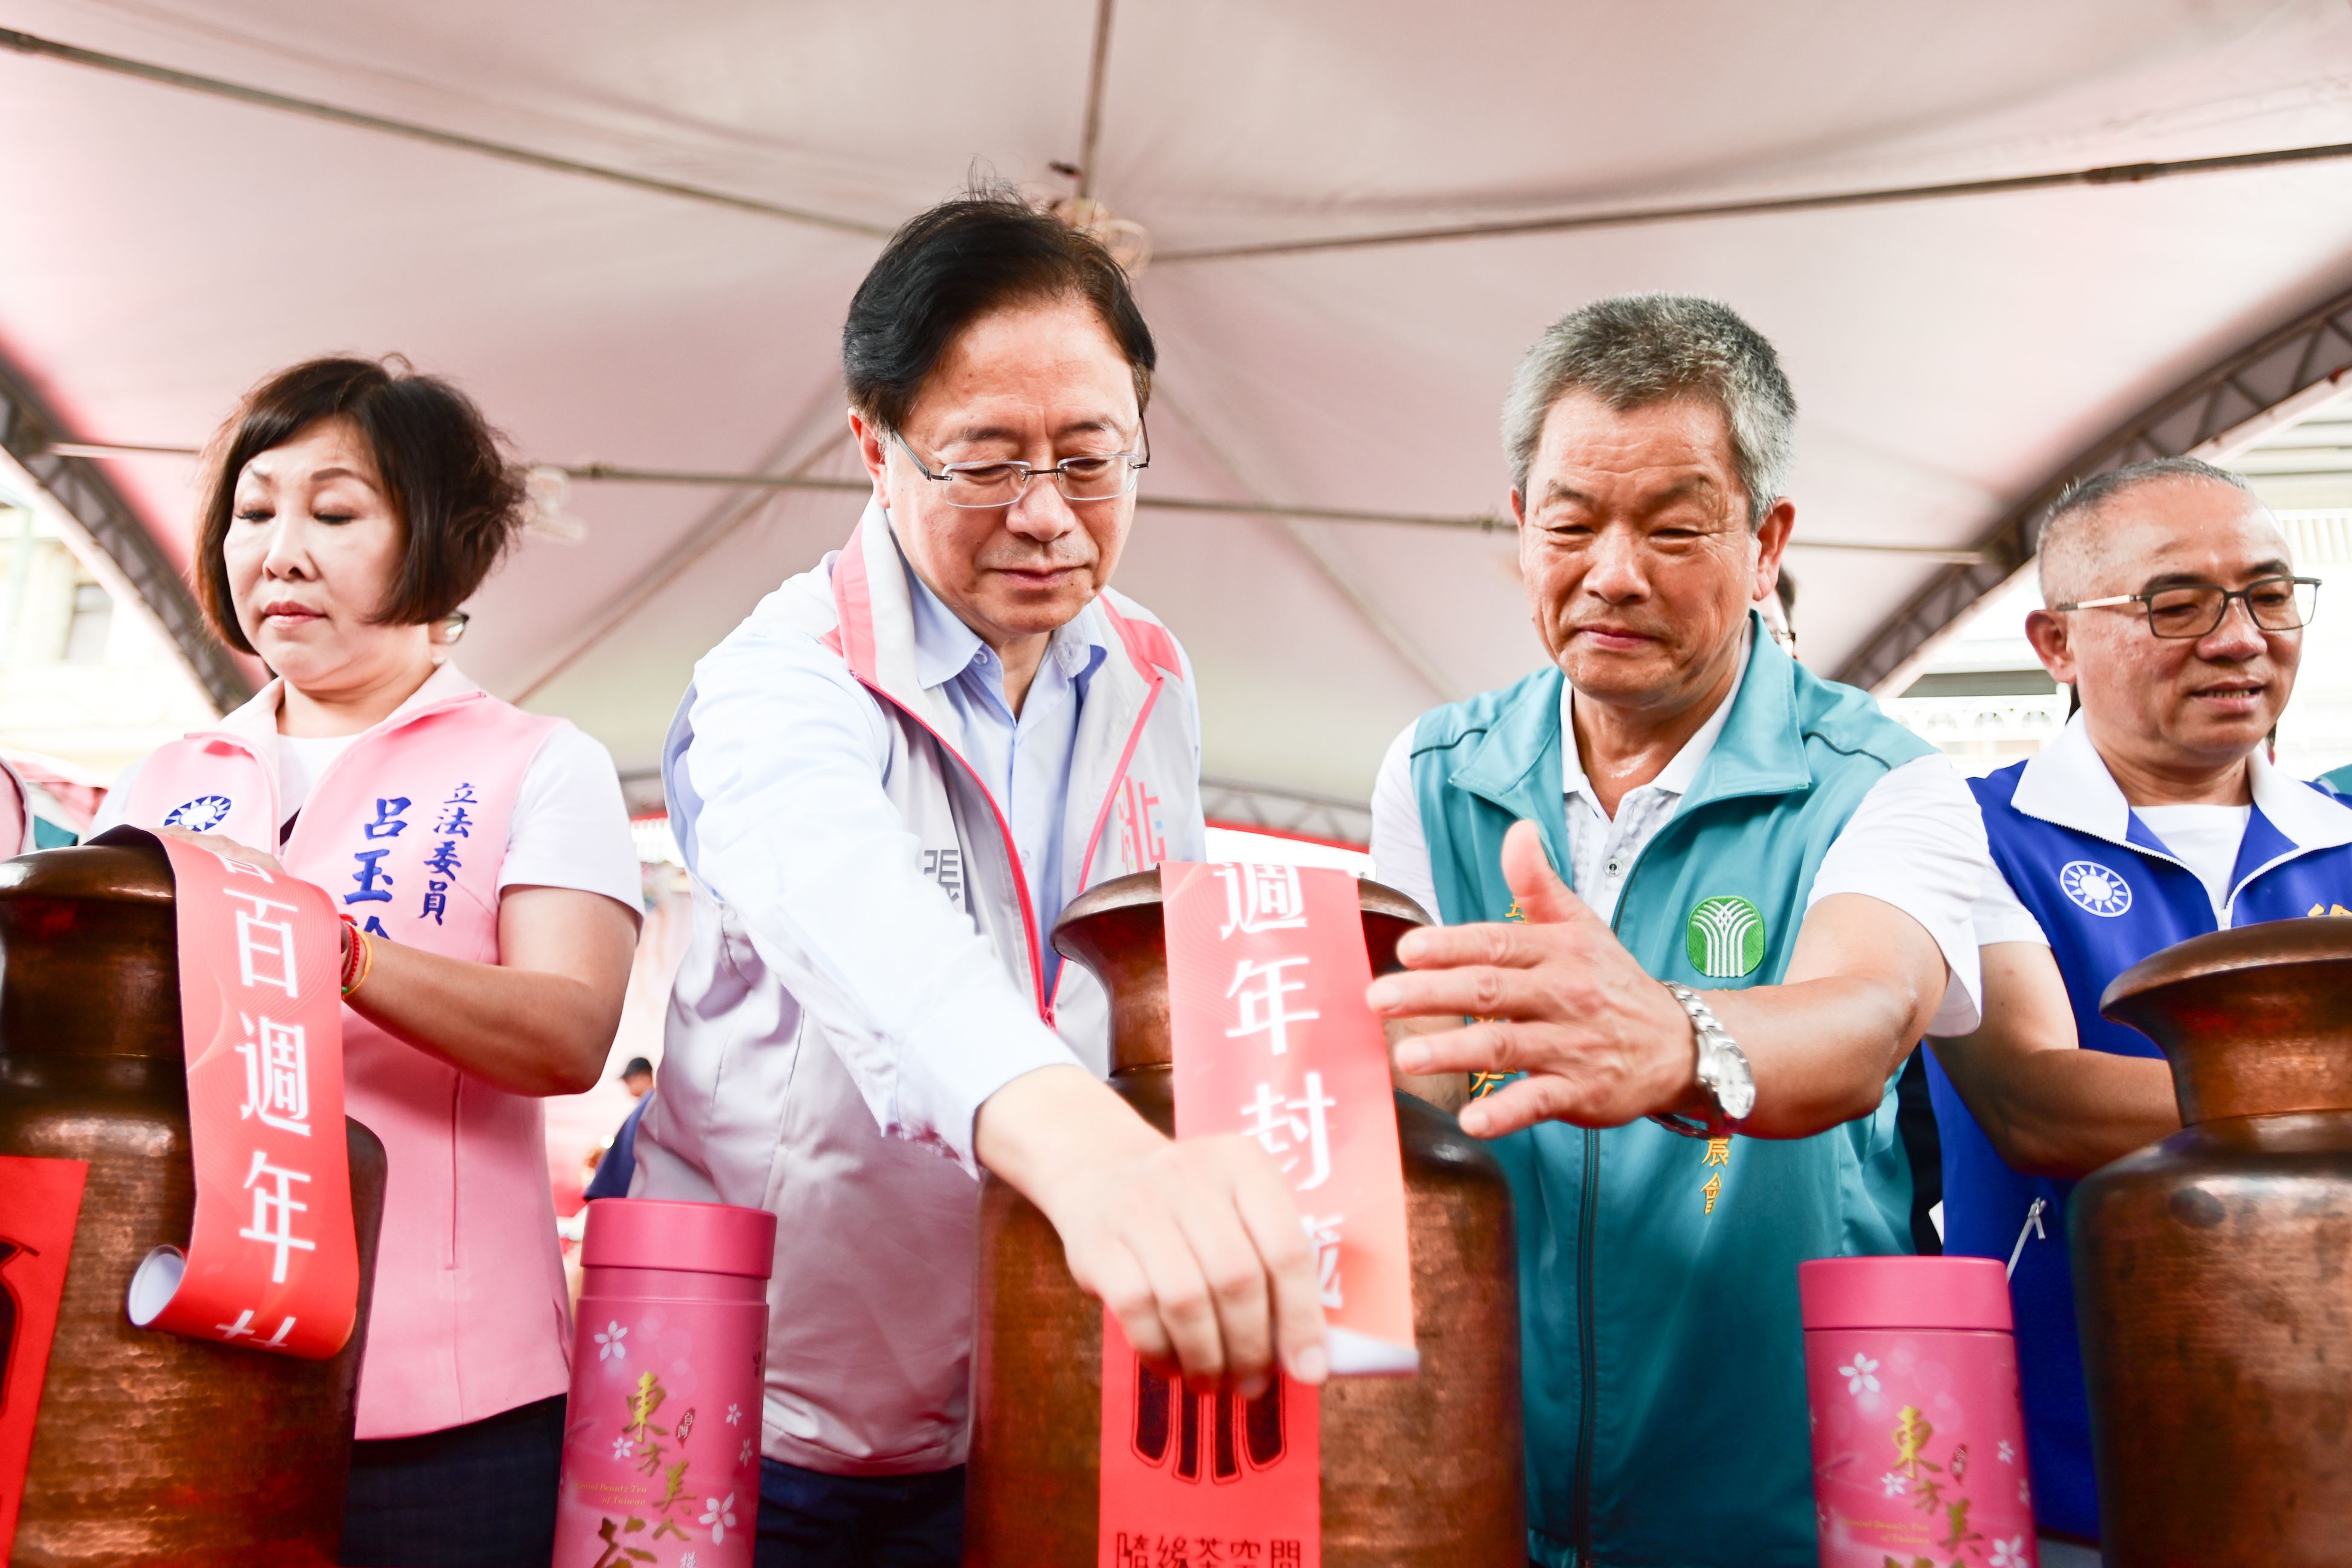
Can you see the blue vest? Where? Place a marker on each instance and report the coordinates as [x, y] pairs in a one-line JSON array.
[[2106, 903], [1661, 1351]]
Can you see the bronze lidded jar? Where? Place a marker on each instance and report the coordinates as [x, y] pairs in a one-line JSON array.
[[2213, 1271], [149, 1447], [1418, 1472]]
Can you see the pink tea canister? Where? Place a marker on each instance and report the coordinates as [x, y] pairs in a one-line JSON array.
[[661, 1443], [1918, 1432]]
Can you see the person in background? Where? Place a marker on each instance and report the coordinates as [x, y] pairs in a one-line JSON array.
[[42, 805], [2176, 615], [885, 783], [618, 1166], [482, 860], [1723, 819], [2339, 781], [17, 834]]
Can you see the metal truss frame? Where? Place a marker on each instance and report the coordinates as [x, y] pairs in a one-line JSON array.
[[1286, 813], [2312, 353], [85, 499]]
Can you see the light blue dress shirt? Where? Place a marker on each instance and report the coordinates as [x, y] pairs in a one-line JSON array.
[[1023, 760]]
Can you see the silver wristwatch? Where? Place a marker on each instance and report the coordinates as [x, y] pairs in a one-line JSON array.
[[1723, 1070]]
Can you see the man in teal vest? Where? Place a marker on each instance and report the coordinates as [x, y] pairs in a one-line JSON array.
[[1796, 867]]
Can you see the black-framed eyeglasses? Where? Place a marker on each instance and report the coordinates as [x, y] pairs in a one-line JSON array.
[[1001, 482], [2194, 609]]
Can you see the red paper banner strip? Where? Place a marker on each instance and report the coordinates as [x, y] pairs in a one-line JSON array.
[[1266, 976], [40, 1200], [1206, 1478], [273, 1263]]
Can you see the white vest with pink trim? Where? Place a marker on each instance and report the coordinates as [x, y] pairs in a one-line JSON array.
[[406, 831], [870, 1305]]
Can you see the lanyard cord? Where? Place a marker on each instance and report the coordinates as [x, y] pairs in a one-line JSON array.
[[2033, 1228]]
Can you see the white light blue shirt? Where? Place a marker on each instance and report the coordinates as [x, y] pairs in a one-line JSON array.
[[1024, 761]]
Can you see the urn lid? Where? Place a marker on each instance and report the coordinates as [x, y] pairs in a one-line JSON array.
[[2256, 1020], [693, 1237], [1965, 1293], [88, 951], [128, 868]]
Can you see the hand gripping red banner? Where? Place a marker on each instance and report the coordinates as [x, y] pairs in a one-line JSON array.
[[273, 1260], [1266, 975]]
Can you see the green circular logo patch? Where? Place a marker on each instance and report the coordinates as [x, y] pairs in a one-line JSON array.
[[1725, 938]]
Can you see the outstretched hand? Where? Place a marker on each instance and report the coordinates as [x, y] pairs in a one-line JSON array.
[[1194, 1246], [1558, 998]]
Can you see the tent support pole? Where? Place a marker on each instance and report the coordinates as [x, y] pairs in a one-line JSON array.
[[163, 76], [1097, 71], [1759, 206]]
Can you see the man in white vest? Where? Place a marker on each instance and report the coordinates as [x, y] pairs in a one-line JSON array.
[[887, 783]]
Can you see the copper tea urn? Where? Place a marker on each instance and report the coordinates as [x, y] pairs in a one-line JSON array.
[[2213, 1271], [149, 1447], [1417, 1472]]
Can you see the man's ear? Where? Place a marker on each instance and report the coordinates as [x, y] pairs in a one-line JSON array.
[[1772, 541], [874, 450], [1527, 576], [2053, 636]]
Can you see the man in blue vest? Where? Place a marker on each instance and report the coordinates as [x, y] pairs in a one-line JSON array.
[[2155, 816], [1793, 866]]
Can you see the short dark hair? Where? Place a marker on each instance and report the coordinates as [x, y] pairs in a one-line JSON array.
[[2084, 494], [2063, 535], [457, 497], [1636, 350], [947, 267], [638, 1067]]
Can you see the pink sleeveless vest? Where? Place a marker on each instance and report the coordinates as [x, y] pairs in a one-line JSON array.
[[406, 831]]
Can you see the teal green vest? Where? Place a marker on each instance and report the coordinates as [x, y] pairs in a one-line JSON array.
[[2340, 781], [1660, 1348]]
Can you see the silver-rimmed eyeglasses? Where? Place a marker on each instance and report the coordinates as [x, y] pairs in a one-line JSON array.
[[2194, 609], [1000, 482]]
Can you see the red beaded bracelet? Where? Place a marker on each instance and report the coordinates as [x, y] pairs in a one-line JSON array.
[[356, 956]]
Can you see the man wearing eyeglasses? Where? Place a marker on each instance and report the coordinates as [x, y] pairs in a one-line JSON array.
[[887, 783], [2154, 816]]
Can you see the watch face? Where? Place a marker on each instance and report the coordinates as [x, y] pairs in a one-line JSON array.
[[1732, 1082]]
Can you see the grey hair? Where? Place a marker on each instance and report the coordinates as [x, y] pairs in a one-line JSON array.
[[1642, 348], [2061, 524]]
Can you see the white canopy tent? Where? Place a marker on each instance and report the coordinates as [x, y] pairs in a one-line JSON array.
[[631, 229]]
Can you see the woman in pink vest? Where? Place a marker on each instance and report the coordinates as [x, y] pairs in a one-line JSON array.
[[482, 855]]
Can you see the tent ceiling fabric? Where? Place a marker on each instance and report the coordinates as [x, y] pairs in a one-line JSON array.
[[164, 248]]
